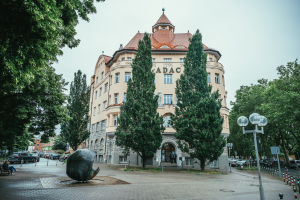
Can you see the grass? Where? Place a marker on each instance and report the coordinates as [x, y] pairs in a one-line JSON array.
[[65, 161], [140, 169], [198, 172], [254, 168]]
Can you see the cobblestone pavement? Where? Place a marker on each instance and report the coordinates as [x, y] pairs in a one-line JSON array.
[[171, 184]]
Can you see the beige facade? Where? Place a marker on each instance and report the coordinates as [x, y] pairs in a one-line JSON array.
[[109, 85]]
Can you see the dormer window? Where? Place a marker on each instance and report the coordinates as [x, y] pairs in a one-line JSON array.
[[210, 59], [129, 58], [123, 59]]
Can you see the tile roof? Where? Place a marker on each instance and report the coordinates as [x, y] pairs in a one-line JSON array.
[[163, 20], [106, 58]]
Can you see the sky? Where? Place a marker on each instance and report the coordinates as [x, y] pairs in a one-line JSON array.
[[253, 36]]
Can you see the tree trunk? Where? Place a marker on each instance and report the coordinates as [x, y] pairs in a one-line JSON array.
[[285, 151], [144, 161], [202, 164]]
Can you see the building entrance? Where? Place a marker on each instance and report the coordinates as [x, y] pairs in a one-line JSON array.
[[166, 151]]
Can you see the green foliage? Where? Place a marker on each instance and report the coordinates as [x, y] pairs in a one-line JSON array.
[[140, 126], [138, 169], [37, 106], [59, 143], [33, 34], [75, 129], [60, 151], [197, 118]]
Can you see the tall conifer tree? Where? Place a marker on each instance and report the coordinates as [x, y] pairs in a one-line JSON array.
[[197, 118], [75, 130], [140, 126]]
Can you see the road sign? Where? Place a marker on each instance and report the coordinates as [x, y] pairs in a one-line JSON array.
[[275, 150]]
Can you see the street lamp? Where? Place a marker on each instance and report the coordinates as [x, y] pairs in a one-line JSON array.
[[110, 141], [260, 121], [229, 145]]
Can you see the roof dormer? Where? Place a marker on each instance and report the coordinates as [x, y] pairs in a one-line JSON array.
[[163, 23]]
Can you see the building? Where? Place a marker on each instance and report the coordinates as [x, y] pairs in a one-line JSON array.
[[108, 91], [38, 144], [47, 147]]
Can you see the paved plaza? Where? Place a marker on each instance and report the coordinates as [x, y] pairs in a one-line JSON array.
[[29, 183]]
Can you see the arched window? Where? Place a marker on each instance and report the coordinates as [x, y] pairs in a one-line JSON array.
[[101, 143], [91, 144], [96, 144], [166, 121]]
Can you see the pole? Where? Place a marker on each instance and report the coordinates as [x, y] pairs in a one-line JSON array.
[[230, 161], [280, 176], [110, 152], [261, 189]]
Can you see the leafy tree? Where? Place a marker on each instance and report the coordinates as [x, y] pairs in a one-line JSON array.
[[37, 107], [197, 118], [33, 33], [59, 143], [140, 126], [75, 129]]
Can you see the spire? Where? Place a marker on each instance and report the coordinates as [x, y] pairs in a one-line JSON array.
[[163, 21]]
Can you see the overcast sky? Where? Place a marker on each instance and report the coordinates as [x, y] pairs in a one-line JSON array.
[[254, 36]]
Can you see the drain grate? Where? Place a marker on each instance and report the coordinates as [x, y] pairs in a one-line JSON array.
[[224, 190]]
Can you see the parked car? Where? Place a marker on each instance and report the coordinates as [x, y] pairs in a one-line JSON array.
[[63, 157], [241, 162], [46, 155], [17, 157], [233, 164], [54, 157], [294, 163], [36, 156]]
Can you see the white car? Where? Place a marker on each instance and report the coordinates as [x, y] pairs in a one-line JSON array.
[[240, 162]]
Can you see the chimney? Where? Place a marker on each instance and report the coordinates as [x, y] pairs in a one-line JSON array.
[[121, 46]]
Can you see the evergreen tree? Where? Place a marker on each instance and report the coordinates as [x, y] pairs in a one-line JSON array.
[[197, 118], [75, 130], [140, 126], [59, 143]]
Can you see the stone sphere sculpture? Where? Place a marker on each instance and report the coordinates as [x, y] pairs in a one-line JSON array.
[[80, 165]]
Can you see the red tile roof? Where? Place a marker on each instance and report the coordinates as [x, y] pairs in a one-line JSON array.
[[106, 58], [163, 20]]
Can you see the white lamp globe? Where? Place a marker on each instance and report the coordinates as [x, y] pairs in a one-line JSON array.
[[242, 121], [262, 121], [254, 118]]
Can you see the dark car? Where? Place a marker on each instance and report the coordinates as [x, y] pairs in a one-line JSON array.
[[46, 155], [17, 157], [63, 157], [54, 157], [36, 156]]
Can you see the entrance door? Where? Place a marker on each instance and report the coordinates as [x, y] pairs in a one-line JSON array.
[[166, 151]]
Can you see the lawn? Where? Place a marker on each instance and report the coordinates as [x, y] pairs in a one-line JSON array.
[[140, 169], [198, 172]]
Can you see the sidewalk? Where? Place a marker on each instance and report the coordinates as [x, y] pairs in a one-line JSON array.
[[170, 184]]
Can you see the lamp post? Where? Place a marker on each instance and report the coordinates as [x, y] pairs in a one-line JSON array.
[[229, 145], [109, 157], [261, 121]]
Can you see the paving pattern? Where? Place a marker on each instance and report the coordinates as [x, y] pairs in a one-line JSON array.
[[171, 185]]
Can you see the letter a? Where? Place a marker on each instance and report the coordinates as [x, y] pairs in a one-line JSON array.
[[158, 70], [171, 70]]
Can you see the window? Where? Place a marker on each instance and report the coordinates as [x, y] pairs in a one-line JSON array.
[[97, 127], [37, 140], [166, 121], [125, 95], [111, 79], [180, 47], [122, 159], [123, 59], [223, 80], [210, 59], [96, 95], [104, 105], [101, 143], [167, 78], [100, 91], [37, 145], [116, 98], [153, 59], [167, 59], [181, 60], [129, 58], [127, 76], [106, 87], [217, 80], [189, 161], [97, 79], [115, 120], [118, 78], [168, 99], [36, 149], [102, 75], [163, 28], [208, 77], [99, 108], [94, 110], [103, 125]]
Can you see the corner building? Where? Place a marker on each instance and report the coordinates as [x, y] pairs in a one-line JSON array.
[[109, 86]]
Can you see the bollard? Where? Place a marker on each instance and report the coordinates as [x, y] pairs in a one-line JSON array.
[[188, 168], [21, 162], [283, 177], [47, 162], [295, 194], [35, 162], [280, 195], [125, 166], [56, 163]]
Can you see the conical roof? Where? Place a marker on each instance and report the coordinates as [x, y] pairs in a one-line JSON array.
[[163, 20]]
